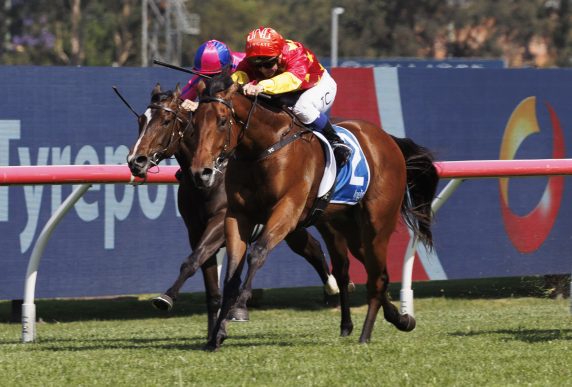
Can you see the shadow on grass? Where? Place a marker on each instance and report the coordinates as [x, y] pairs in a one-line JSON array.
[[308, 298], [193, 343], [530, 336]]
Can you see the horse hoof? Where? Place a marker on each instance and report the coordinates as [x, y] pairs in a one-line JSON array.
[[331, 286], [210, 347], [163, 302], [346, 331], [406, 323], [238, 315]]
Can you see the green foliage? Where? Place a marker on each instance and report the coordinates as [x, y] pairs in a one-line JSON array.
[[531, 32]]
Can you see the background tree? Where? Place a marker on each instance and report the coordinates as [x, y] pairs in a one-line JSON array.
[[107, 32]]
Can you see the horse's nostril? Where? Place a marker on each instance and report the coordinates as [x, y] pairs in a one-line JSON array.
[[203, 177], [141, 160]]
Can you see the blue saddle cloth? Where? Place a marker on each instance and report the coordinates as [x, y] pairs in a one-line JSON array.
[[353, 178]]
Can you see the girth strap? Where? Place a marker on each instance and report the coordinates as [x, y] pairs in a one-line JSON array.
[[281, 144], [318, 208]]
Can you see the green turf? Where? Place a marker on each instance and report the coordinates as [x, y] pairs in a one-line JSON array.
[[493, 333]]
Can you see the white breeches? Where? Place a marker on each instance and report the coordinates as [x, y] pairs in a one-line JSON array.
[[316, 100]]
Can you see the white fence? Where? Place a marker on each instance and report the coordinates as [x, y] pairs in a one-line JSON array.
[[86, 175]]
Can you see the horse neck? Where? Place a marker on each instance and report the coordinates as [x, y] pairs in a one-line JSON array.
[[264, 128], [184, 154]]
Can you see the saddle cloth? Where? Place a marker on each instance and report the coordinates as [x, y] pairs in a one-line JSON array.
[[352, 179]]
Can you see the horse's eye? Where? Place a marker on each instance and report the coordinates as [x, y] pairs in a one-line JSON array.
[[166, 122], [222, 121]]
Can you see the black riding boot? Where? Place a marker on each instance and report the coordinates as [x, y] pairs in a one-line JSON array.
[[342, 152]]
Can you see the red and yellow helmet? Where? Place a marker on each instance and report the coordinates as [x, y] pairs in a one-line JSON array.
[[264, 41]]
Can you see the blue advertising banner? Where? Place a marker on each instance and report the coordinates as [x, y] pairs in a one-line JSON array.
[[449, 63], [489, 227], [121, 239]]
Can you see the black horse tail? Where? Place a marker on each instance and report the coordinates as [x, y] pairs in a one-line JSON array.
[[422, 180]]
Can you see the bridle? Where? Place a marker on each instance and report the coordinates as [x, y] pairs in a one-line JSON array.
[[226, 152], [176, 133]]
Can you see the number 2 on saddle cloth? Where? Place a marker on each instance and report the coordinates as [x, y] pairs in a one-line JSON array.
[[349, 184]]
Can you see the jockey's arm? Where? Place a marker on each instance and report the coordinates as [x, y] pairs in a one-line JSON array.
[[282, 83]]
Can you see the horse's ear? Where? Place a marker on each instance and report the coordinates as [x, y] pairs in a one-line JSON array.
[[156, 89], [201, 86], [178, 89]]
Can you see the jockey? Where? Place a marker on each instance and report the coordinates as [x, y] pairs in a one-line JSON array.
[[210, 59], [274, 65]]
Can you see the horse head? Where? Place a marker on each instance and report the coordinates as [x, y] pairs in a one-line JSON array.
[[216, 129], [161, 129]]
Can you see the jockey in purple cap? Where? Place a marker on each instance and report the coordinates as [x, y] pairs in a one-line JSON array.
[[210, 59]]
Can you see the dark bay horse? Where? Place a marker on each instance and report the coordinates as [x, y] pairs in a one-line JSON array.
[[274, 168], [165, 131]]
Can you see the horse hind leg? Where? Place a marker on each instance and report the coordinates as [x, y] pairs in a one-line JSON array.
[[377, 285], [337, 247], [305, 245], [403, 322]]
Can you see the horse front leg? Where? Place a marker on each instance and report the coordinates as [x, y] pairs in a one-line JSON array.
[[212, 292], [305, 245], [236, 237], [209, 243], [280, 223]]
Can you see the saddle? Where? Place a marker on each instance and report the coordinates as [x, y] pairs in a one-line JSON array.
[[347, 185]]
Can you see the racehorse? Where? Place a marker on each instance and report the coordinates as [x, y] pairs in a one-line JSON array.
[[165, 131], [274, 169]]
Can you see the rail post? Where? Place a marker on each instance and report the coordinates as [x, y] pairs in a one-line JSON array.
[[29, 307]]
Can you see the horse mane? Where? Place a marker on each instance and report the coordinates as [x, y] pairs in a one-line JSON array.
[[217, 83]]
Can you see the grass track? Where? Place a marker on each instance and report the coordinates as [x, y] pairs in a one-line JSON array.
[[477, 334]]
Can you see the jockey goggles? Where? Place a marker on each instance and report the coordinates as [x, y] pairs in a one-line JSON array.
[[263, 61]]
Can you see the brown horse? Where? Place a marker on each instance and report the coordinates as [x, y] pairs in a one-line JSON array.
[[274, 168], [165, 131]]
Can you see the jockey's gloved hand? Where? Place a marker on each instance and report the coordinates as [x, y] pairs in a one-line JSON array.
[[189, 106]]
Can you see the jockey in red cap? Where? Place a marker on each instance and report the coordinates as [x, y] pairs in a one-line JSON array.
[[274, 65], [211, 58]]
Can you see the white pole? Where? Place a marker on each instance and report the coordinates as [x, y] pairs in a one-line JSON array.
[[28, 307], [334, 45], [406, 293]]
